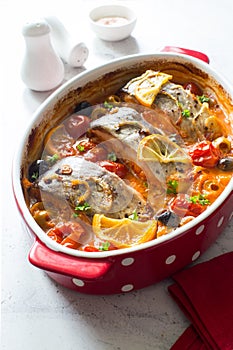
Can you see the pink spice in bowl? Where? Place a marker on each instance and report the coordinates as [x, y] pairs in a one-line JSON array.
[[112, 22]]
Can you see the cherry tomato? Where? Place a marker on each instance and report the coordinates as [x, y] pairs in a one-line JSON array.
[[204, 154], [67, 152], [193, 88], [117, 168], [71, 234], [67, 234], [55, 234], [90, 248], [182, 206], [85, 146], [69, 242], [96, 154], [77, 125]]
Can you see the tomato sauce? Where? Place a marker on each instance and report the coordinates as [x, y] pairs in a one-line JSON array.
[[194, 170]]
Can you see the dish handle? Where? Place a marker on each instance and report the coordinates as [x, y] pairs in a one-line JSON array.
[[83, 268], [196, 54]]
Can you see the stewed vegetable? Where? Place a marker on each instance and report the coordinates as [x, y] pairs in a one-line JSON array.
[[136, 166]]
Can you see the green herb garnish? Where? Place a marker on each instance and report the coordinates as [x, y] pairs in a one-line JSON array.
[[200, 198], [186, 113], [172, 187], [108, 105], [53, 159], [83, 207], [81, 148], [35, 176], [104, 246], [134, 216], [203, 98], [112, 156]]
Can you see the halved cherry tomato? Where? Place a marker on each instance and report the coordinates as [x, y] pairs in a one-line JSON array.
[[55, 234], [67, 234], [204, 154], [85, 146], [91, 151], [182, 206], [117, 168], [193, 88], [96, 154], [77, 125], [70, 242]]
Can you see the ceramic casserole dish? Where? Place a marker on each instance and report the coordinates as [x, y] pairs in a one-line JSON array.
[[140, 265]]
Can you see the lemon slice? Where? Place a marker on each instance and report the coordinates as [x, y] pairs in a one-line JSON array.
[[147, 89], [123, 233], [131, 85], [160, 148], [147, 86]]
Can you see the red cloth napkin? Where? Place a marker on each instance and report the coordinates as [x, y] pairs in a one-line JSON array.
[[205, 294]]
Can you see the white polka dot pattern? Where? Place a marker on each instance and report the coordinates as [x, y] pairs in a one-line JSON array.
[[170, 259], [196, 255], [220, 221], [127, 288], [127, 261], [78, 282], [200, 229]]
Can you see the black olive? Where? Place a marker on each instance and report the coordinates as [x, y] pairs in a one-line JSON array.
[[85, 107], [169, 218], [37, 168], [226, 164]]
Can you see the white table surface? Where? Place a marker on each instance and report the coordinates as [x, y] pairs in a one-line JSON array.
[[37, 314]]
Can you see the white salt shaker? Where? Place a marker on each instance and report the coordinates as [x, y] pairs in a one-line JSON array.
[[42, 69], [72, 51]]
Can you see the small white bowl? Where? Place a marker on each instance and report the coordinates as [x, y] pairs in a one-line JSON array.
[[124, 18]]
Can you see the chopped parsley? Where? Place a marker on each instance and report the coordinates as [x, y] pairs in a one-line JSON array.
[[104, 246], [112, 157], [186, 113], [81, 148], [108, 105], [200, 198], [134, 216], [172, 187], [203, 98], [83, 207], [53, 159], [35, 175]]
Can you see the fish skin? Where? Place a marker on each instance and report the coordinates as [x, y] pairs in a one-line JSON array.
[[126, 125], [108, 193], [123, 131], [124, 141], [173, 99]]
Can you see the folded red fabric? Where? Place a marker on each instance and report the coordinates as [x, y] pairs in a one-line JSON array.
[[189, 340], [204, 292]]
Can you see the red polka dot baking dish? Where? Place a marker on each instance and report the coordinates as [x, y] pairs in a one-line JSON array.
[[124, 175]]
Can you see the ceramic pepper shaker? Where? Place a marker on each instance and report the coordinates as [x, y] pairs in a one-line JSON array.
[[72, 51], [42, 69]]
